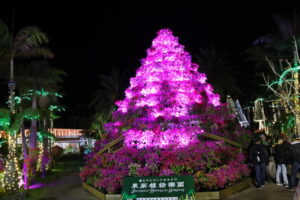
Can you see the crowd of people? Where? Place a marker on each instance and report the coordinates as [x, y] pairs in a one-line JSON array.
[[286, 154]]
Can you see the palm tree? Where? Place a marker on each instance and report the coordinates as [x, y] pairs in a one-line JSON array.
[[39, 76], [40, 82], [11, 124], [218, 70], [103, 100], [28, 42]]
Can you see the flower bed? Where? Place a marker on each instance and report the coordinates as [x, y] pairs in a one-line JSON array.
[[214, 165], [198, 195]]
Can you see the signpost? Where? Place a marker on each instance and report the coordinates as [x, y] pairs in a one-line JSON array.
[[159, 188]]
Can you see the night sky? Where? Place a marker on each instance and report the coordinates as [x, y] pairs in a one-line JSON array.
[[88, 39]]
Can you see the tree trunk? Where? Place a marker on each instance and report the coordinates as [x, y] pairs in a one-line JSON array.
[[296, 102], [44, 156], [11, 87], [33, 138], [45, 149], [11, 174], [33, 126], [25, 155]]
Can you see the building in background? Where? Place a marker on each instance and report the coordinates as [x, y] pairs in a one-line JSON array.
[[71, 140]]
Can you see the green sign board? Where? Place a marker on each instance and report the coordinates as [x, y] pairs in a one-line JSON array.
[[158, 188]]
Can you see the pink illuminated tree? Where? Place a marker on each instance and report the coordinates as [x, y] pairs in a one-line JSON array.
[[168, 103]]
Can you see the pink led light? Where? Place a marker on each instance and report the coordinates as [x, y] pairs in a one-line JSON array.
[[38, 185], [164, 91]]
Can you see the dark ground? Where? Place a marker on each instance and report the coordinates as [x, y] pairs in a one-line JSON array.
[[65, 184]]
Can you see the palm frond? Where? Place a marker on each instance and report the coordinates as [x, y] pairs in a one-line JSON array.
[[35, 52], [28, 42], [4, 113], [30, 114]]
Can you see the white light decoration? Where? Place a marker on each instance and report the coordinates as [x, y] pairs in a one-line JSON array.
[[12, 173]]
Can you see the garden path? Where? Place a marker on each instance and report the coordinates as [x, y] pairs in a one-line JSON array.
[[63, 183], [270, 192], [67, 187]]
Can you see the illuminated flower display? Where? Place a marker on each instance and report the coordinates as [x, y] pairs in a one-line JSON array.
[[167, 108], [159, 106], [214, 165]]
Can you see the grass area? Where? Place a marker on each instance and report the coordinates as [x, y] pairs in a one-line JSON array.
[[66, 165]]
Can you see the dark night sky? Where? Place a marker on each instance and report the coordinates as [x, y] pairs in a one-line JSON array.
[[89, 39]]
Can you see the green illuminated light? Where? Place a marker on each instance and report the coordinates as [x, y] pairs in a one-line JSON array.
[[285, 73]]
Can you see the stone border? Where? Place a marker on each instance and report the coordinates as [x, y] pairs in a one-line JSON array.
[[199, 195], [99, 194]]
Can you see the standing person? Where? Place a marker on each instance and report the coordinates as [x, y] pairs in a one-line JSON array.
[[266, 144], [281, 158], [258, 157], [295, 153]]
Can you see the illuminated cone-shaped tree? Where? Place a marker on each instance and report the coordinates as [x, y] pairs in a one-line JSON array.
[[167, 110], [161, 104]]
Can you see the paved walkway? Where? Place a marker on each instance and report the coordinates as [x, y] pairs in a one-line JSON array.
[[270, 192], [67, 187], [65, 183]]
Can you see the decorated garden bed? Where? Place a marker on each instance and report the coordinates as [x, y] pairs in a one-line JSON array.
[[246, 183], [213, 164]]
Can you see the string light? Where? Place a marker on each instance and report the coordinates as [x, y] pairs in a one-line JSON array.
[[40, 157], [12, 174]]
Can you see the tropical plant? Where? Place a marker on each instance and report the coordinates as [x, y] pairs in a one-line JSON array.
[[28, 42], [103, 100], [220, 73], [40, 83], [11, 124]]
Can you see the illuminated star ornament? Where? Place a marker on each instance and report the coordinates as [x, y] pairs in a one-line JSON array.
[[158, 108]]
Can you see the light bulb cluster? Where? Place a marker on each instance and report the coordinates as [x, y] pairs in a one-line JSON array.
[[12, 174], [40, 157], [11, 98], [1, 180]]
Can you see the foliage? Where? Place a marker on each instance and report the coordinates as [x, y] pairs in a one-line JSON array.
[[26, 43], [31, 160], [213, 164], [13, 122], [104, 98], [220, 73], [56, 152], [41, 79], [45, 134], [4, 148]]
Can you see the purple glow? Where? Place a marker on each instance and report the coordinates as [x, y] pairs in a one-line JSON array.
[[25, 176], [158, 104], [38, 185]]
